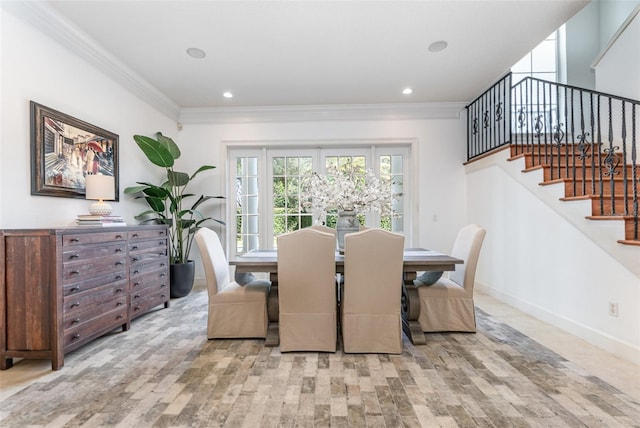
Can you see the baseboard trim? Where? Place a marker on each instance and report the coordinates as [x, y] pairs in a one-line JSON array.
[[617, 347]]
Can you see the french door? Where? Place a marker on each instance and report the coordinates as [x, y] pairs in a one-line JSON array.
[[267, 184]]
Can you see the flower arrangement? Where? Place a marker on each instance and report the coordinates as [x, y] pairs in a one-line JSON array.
[[352, 189]]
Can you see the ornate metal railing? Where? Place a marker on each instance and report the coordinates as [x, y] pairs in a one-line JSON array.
[[586, 138]]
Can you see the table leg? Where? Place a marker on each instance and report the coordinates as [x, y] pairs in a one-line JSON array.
[[273, 311], [411, 310]]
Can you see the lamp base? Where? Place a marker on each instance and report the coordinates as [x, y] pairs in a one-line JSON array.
[[100, 208]]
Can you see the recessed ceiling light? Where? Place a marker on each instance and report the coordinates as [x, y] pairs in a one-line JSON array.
[[438, 46], [227, 95], [196, 53], [407, 91]]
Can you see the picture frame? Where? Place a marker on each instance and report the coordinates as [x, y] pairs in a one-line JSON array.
[[64, 150]]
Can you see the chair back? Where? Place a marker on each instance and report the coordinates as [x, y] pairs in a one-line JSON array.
[[467, 247], [325, 229], [306, 291], [214, 261], [371, 305]]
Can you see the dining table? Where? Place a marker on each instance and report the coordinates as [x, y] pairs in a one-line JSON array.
[[414, 260]]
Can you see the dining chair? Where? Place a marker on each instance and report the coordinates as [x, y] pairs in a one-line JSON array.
[[447, 305], [371, 318], [306, 291], [235, 311]]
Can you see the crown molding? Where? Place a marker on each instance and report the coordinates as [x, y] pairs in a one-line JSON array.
[[306, 113], [45, 19]]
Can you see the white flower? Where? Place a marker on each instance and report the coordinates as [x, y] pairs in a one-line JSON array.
[[347, 190]]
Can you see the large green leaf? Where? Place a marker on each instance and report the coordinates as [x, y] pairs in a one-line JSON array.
[[169, 144], [156, 152], [178, 179], [202, 168]]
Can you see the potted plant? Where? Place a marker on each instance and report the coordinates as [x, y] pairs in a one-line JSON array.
[[168, 205]]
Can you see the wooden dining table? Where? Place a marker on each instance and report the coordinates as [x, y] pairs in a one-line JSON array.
[[414, 260]]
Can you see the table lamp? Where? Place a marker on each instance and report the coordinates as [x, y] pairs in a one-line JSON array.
[[100, 187]]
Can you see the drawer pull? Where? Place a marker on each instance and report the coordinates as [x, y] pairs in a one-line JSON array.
[[75, 321], [75, 336], [137, 296], [75, 305], [118, 277], [135, 259], [74, 272], [135, 284], [119, 316], [163, 285], [137, 308], [135, 235], [135, 272], [119, 263], [162, 264], [162, 232], [162, 275], [162, 243], [162, 296], [74, 289], [118, 236], [74, 256], [118, 250], [135, 247], [119, 304], [118, 290], [74, 240]]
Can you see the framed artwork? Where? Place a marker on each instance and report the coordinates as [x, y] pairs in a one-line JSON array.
[[64, 150]]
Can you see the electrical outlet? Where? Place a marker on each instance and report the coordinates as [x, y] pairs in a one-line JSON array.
[[613, 309]]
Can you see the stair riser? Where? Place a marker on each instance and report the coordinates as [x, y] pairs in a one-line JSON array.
[[629, 229], [606, 188], [555, 172], [619, 205], [567, 161]]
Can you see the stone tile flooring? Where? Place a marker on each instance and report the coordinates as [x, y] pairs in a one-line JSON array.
[[164, 373]]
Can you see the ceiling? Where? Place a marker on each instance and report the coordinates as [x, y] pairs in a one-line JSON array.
[[311, 53]]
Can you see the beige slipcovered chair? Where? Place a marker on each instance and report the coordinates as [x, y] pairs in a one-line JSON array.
[[372, 292], [235, 311], [306, 291], [448, 304]]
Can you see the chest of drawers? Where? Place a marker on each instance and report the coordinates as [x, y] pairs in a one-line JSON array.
[[62, 288]]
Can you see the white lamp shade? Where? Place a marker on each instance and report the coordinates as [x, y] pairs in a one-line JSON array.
[[100, 187]]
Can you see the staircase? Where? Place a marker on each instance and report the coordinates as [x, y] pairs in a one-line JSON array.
[[584, 139], [584, 178]]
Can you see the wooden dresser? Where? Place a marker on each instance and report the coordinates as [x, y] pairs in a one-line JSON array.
[[61, 288]]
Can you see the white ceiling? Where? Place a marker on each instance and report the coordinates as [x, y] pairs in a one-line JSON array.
[[310, 53]]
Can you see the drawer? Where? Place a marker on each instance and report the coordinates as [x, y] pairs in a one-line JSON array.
[[158, 278], [143, 305], [97, 326], [73, 239], [155, 258], [147, 234], [83, 253], [140, 292], [93, 300], [72, 320], [115, 279], [151, 245], [75, 272]]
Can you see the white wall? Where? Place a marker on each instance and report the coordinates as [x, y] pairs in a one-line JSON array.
[[618, 71], [612, 14], [36, 68], [582, 44], [536, 260]]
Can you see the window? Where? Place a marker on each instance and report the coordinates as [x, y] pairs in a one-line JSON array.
[[541, 62], [268, 189]]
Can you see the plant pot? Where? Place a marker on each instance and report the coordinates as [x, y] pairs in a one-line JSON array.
[[181, 277]]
